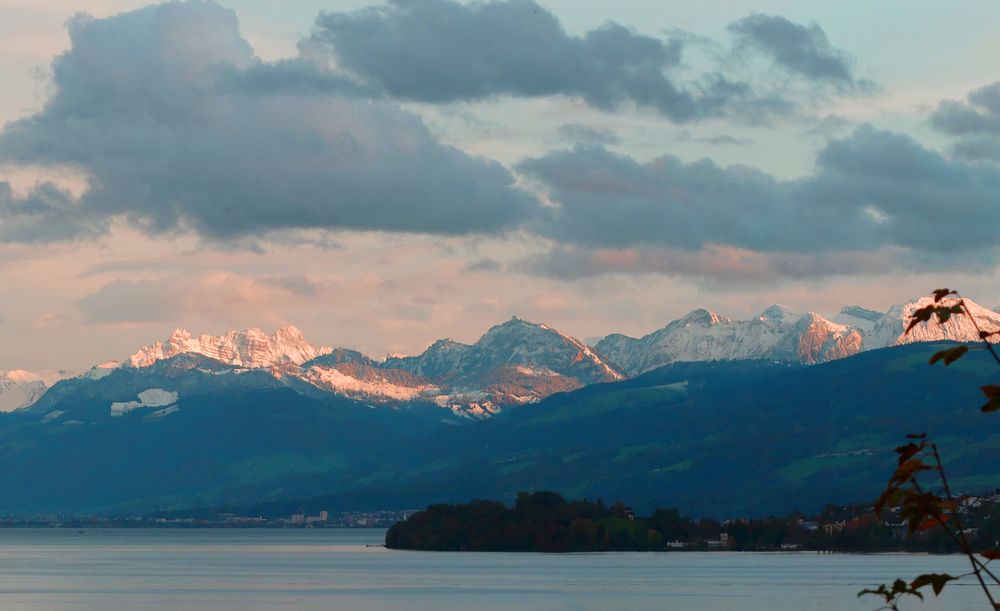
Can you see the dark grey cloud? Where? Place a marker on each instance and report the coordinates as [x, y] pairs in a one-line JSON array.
[[46, 213], [290, 76], [440, 51], [976, 121], [586, 134], [611, 200], [799, 49], [983, 147], [872, 191], [979, 114], [182, 128]]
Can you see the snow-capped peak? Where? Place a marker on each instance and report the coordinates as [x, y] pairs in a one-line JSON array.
[[700, 316], [859, 312], [889, 329], [250, 348], [780, 314], [777, 333], [781, 334], [20, 388], [858, 317], [99, 371], [20, 376]]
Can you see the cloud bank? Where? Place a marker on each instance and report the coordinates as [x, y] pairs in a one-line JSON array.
[[161, 107], [872, 192], [180, 128], [439, 51]]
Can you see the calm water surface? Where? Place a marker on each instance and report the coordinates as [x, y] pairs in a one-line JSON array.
[[333, 569]]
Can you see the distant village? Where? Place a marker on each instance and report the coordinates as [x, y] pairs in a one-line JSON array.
[[836, 527], [298, 519], [855, 526]]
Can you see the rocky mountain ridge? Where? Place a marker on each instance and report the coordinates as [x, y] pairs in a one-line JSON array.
[[777, 334], [250, 348], [780, 334]]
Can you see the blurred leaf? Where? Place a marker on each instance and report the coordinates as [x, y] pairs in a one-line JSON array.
[[919, 315], [992, 393], [909, 451], [949, 356], [936, 581], [940, 294]]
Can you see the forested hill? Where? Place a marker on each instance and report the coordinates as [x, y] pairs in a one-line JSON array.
[[546, 522]]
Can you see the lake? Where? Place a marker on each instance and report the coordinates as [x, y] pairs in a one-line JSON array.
[[112, 569]]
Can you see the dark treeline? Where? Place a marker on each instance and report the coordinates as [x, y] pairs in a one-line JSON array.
[[546, 522]]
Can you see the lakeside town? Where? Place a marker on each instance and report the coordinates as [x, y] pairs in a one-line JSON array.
[[298, 519]]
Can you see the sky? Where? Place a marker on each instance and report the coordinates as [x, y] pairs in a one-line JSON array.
[[383, 175]]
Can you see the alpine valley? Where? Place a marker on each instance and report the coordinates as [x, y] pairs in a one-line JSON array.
[[783, 411]]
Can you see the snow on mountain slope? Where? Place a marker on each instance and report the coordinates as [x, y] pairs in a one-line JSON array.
[[352, 374], [856, 316], [99, 371], [442, 359], [889, 329], [778, 333], [367, 385], [19, 388], [250, 348], [496, 356], [514, 363], [151, 397], [814, 339]]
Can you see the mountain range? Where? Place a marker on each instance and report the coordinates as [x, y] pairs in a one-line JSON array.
[[783, 411], [519, 362]]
